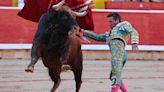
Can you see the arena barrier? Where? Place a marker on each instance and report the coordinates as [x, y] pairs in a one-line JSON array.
[[16, 33]]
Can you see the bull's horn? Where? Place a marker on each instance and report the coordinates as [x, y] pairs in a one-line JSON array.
[[80, 14], [57, 6], [88, 2], [84, 8]]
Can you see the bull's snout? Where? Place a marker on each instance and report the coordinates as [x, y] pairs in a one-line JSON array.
[[74, 30]]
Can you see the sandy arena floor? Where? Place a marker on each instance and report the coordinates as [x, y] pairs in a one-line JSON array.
[[139, 76]]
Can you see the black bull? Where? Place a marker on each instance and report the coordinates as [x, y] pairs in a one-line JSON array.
[[59, 38]]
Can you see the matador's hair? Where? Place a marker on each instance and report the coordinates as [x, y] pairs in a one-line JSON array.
[[115, 15]]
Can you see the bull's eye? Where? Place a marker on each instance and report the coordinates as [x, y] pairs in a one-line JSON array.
[[64, 17]]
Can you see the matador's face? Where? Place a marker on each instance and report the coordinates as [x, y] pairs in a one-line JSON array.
[[112, 22]]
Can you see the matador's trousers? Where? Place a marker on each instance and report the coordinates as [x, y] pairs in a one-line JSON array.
[[118, 59]]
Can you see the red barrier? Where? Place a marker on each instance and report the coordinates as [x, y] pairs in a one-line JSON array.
[[149, 25], [14, 29], [5, 2]]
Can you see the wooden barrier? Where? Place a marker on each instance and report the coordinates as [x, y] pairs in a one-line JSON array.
[[14, 29], [88, 54], [134, 5], [149, 24]]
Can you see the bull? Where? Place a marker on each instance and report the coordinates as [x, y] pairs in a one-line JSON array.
[[60, 39]]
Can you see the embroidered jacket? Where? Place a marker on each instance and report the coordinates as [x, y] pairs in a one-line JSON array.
[[122, 30]]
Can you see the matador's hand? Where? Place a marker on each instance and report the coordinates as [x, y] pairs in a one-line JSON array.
[[135, 47]]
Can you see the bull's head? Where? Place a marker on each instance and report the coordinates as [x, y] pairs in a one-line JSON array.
[[67, 17], [62, 23]]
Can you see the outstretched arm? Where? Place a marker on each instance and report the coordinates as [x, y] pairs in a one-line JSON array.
[[94, 36]]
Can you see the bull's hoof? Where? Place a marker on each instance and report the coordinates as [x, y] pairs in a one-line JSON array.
[[30, 69], [65, 68]]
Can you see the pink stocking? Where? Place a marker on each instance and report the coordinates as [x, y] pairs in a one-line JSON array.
[[115, 88], [123, 88]]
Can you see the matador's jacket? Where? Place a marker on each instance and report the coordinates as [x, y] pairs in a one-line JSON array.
[[117, 40], [122, 30]]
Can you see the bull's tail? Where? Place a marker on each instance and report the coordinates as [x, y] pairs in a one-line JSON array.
[[65, 68]]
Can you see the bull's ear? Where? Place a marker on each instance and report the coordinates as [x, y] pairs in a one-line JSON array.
[[59, 5]]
